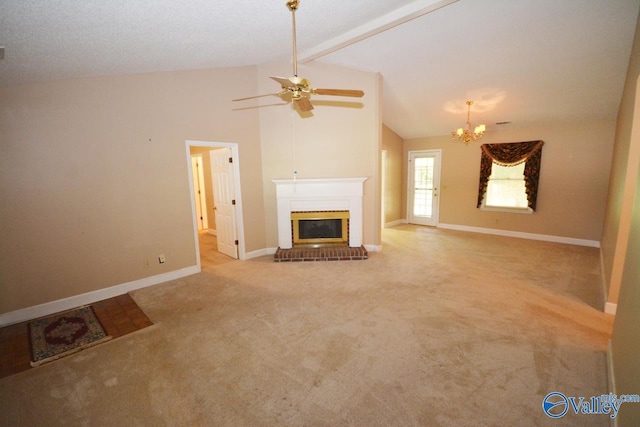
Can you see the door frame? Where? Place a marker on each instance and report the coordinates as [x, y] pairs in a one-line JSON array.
[[437, 153], [235, 154], [383, 186], [203, 214]]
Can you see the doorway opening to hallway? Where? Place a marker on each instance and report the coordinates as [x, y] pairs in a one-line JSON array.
[[214, 180]]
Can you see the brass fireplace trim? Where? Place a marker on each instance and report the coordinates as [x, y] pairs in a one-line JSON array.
[[319, 215]]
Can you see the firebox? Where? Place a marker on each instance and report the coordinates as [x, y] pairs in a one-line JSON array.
[[320, 227]]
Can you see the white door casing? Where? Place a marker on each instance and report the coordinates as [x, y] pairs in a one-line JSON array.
[[383, 174]]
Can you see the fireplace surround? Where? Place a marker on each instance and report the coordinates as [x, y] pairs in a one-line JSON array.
[[318, 195]]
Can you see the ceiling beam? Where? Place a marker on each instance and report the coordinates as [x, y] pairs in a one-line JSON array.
[[377, 26]]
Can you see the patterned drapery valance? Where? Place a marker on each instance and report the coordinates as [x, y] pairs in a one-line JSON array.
[[512, 154]]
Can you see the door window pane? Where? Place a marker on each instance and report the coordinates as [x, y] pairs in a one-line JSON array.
[[423, 186]]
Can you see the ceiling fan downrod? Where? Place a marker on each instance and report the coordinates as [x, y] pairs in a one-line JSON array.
[[293, 6]]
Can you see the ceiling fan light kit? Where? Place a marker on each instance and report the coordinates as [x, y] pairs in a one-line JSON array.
[[298, 87], [465, 135]]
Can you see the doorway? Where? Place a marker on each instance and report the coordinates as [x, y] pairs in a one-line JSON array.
[[423, 184], [199, 193], [383, 187], [230, 227]]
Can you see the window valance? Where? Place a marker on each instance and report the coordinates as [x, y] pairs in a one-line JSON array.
[[512, 154]]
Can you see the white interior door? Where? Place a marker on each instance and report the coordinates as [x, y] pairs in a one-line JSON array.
[[424, 181], [199, 194], [224, 201]]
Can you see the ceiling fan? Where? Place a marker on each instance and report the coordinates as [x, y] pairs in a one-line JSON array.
[[298, 87]]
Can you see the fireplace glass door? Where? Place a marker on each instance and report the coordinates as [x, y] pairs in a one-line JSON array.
[[316, 228]]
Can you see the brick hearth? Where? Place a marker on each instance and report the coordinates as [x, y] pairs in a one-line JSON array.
[[328, 253]]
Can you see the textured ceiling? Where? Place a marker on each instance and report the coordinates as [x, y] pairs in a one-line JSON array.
[[523, 61]]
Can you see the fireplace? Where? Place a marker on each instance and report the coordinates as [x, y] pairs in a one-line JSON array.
[[310, 196], [318, 228]]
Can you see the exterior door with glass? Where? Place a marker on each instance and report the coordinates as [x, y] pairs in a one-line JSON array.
[[423, 185]]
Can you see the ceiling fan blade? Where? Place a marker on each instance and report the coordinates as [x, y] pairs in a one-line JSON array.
[[339, 92], [284, 82], [257, 96], [304, 104]]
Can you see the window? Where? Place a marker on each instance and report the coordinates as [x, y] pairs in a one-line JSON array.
[[506, 187], [509, 176]]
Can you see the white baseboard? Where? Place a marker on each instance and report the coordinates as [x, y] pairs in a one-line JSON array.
[[57, 306], [260, 252], [373, 248], [610, 308], [521, 235]]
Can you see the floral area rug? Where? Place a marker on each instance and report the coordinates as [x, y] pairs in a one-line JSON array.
[[64, 333]]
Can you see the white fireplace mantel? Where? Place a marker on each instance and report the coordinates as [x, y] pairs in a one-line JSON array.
[[319, 194]]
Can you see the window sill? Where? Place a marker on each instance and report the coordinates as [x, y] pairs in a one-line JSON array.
[[507, 209]]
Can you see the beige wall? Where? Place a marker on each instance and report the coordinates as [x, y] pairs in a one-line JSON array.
[[625, 339], [341, 139], [621, 243], [94, 172], [573, 181], [393, 144], [94, 178], [622, 183]]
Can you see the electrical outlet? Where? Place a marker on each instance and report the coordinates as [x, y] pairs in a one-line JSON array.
[[162, 259]]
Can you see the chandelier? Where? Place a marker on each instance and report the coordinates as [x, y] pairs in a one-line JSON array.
[[465, 134]]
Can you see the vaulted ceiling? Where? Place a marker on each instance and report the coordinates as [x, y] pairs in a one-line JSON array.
[[525, 62]]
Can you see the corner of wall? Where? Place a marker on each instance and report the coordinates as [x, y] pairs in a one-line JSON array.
[[609, 307]]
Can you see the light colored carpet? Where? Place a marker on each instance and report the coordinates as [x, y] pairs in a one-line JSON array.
[[442, 328]]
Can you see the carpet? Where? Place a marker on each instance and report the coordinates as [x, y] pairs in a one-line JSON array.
[[65, 333], [440, 328]]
